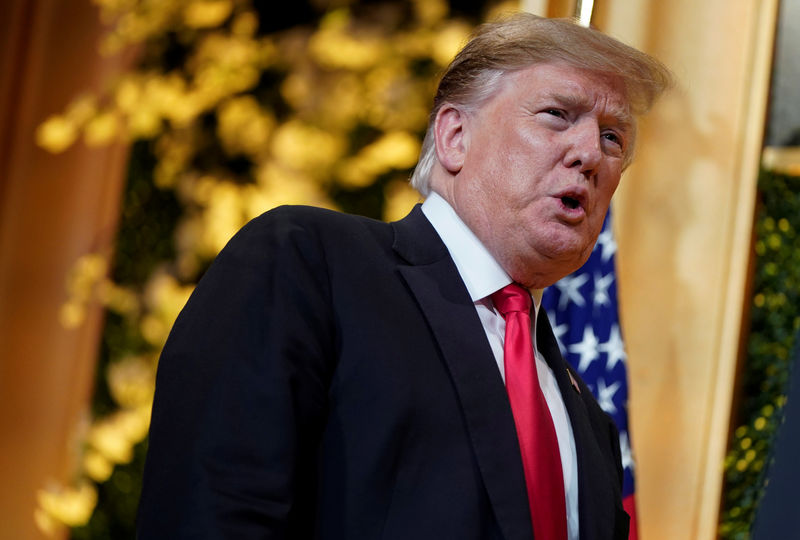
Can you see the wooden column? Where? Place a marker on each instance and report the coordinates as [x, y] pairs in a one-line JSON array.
[[53, 209], [684, 215]]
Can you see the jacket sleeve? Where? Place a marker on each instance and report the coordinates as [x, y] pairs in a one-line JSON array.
[[241, 392]]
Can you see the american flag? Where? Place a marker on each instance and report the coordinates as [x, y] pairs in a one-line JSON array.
[[583, 311]]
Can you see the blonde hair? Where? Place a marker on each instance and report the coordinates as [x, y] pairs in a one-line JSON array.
[[523, 40]]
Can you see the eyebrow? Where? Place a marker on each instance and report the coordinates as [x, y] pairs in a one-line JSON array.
[[622, 117]]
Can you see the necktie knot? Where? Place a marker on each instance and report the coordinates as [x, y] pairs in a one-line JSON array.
[[513, 297]]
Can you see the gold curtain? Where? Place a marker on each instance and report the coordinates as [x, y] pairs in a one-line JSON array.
[[53, 209], [684, 216]]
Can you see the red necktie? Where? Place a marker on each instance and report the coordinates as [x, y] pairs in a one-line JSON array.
[[538, 444]]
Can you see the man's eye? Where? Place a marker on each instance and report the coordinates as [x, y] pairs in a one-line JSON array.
[[613, 137], [555, 112]]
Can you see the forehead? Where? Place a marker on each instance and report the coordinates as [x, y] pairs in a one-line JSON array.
[[571, 87]]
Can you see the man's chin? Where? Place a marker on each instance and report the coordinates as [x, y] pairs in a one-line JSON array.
[[568, 250], [545, 271]]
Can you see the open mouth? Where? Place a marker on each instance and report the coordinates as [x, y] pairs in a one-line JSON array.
[[573, 201], [570, 202]]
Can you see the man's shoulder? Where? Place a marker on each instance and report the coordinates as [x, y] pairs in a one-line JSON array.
[[309, 229], [312, 218]]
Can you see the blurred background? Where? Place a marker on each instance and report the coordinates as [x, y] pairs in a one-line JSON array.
[[139, 135]]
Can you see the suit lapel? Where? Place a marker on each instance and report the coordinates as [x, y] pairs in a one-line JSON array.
[[434, 281], [596, 494]]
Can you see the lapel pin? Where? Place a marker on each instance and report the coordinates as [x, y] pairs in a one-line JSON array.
[[574, 382]]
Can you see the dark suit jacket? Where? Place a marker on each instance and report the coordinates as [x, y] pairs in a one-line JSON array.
[[329, 378]]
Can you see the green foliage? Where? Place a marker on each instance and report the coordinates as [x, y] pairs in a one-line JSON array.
[[774, 323]]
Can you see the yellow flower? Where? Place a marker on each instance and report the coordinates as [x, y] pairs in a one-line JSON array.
[[394, 101], [153, 330], [71, 506], [356, 172], [165, 298], [415, 43], [117, 298], [174, 150], [400, 199], [395, 150], [56, 134], [334, 45], [398, 149], [296, 89], [107, 437], [83, 277], [207, 13], [97, 466], [223, 65], [131, 381], [279, 185], [87, 271], [303, 146], [128, 93], [101, 129], [144, 122], [133, 423], [448, 41], [243, 126], [188, 261], [341, 102], [430, 11], [131, 27], [222, 217], [245, 24], [167, 96], [71, 314], [82, 109]]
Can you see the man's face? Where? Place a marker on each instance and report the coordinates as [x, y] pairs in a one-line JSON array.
[[541, 160]]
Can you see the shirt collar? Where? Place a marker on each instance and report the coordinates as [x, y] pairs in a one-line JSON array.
[[479, 270]]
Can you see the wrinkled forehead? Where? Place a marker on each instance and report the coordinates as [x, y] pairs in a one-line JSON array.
[[577, 87], [561, 85], [608, 101]]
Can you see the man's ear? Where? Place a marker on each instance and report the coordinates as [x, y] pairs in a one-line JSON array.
[[449, 130]]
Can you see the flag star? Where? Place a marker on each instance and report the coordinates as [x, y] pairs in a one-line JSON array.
[[569, 287], [607, 243], [614, 348], [625, 450], [601, 285], [605, 395], [586, 348]]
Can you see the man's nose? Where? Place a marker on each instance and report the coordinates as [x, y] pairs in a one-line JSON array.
[[584, 151]]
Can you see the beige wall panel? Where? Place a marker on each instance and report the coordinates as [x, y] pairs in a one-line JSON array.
[[683, 217]]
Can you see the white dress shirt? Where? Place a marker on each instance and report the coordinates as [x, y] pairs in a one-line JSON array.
[[483, 276]]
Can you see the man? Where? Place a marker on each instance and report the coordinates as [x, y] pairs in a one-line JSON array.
[[337, 377]]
